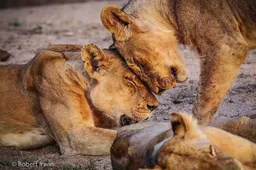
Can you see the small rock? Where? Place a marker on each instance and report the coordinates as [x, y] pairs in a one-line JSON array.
[[190, 102], [166, 118], [37, 30], [231, 101], [48, 22], [191, 81], [253, 116], [177, 101], [69, 33], [4, 55]]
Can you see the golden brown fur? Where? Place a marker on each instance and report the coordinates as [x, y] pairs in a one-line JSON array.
[[57, 96], [185, 146], [147, 34], [204, 147]]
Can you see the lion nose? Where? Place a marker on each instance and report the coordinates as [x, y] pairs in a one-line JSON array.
[[160, 90], [151, 107], [181, 74]]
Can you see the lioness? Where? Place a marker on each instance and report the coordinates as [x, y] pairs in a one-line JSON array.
[[186, 146], [59, 96], [147, 35]]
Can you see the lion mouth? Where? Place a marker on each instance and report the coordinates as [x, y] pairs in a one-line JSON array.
[[125, 120], [137, 117], [159, 89]]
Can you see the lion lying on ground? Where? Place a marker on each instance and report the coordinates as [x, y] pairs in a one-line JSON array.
[[60, 97], [187, 146], [147, 35]]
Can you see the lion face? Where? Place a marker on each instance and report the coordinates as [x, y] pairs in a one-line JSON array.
[[115, 89], [190, 149], [151, 52]]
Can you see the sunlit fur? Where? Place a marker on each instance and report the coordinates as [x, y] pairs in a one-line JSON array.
[[117, 90], [56, 97], [145, 45], [204, 147], [147, 34]]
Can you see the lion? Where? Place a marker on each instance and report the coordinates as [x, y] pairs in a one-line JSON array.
[[147, 35], [153, 146], [68, 94]]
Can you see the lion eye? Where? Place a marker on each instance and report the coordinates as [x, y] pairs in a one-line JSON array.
[[212, 151], [130, 81], [128, 78]]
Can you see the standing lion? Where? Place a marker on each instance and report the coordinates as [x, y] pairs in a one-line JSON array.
[[147, 35]]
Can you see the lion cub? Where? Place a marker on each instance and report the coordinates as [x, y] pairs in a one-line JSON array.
[[57, 96]]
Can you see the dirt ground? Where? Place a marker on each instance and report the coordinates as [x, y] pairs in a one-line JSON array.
[[26, 31]]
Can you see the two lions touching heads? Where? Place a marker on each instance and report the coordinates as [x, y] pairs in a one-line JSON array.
[[68, 93], [147, 35]]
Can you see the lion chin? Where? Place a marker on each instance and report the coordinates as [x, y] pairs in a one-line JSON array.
[[125, 120]]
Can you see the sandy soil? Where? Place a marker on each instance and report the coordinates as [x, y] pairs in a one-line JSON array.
[[26, 31]]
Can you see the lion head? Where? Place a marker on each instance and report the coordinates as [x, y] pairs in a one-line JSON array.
[[190, 149], [115, 90], [151, 52]]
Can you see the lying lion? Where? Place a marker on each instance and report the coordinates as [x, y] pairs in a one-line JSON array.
[[187, 146], [59, 97], [147, 35]]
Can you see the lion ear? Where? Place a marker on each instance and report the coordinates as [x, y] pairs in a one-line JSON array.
[[183, 124], [117, 22], [94, 59]]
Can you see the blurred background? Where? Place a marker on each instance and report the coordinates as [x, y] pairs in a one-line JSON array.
[[22, 3], [25, 30]]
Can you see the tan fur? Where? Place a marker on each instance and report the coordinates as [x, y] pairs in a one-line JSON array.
[[241, 126], [186, 145], [57, 96], [147, 34], [204, 147]]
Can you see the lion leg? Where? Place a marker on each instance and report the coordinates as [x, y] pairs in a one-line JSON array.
[[92, 140], [73, 127], [26, 138], [66, 109], [217, 75], [241, 126]]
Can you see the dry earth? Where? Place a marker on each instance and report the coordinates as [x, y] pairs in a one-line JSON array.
[[26, 31]]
